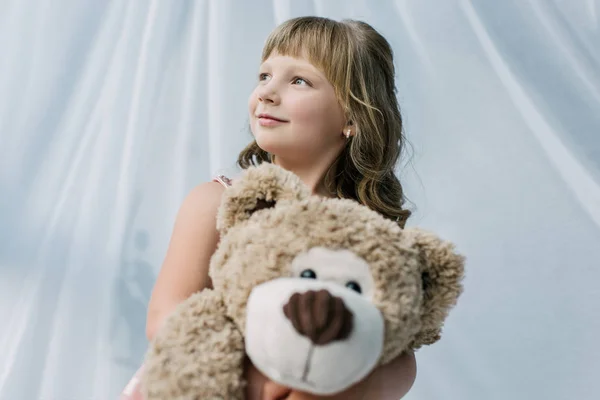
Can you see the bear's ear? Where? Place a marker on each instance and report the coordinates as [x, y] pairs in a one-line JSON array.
[[257, 188], [442, 272]]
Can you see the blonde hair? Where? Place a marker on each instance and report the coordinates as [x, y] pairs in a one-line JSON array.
[[358, 61]]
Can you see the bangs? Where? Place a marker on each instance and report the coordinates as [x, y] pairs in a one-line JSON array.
[[324, 43]]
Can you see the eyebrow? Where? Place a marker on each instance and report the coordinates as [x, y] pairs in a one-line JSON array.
[[298, 68]]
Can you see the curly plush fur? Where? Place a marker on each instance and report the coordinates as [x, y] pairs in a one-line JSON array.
[[266, 220]]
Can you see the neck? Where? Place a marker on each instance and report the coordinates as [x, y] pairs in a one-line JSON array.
[[312, 173]]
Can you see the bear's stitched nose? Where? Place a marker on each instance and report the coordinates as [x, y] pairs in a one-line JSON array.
[[318, 315]]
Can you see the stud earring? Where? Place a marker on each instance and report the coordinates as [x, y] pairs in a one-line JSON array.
[[347, 134]]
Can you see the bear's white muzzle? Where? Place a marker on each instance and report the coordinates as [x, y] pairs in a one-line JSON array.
[[290, 358]]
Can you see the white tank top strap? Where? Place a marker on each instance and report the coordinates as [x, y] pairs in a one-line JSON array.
[[223, 180]]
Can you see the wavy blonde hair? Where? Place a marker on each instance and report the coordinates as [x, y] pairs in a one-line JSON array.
[[358, 61]]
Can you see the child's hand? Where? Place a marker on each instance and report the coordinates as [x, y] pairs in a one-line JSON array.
[[132, 390], [390, 382], [262, 388]]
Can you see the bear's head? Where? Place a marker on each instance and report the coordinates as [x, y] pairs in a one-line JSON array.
[[324, 290]]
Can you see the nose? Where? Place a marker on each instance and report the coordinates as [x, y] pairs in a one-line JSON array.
[[267, 94], [319, 316]]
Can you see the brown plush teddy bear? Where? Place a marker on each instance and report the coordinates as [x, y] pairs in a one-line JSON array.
[[317, 292]]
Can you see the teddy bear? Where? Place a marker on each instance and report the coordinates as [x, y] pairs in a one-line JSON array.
[[316, 292]]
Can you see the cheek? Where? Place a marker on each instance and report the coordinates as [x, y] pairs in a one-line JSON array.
[[316, 115], [252, 104], [252, 101]]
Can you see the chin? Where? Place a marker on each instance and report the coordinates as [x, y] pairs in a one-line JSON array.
[[271, 142]]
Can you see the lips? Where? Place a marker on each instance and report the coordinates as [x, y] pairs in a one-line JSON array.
[[270, 117]]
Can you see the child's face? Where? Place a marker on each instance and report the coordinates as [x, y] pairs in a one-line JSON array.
[[309, 119]]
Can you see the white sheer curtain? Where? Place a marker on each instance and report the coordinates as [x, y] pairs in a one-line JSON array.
[[110, 111]]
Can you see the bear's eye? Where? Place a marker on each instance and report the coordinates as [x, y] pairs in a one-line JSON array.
[[309, 274], [354, 286]]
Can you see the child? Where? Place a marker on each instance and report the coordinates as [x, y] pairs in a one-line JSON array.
[[324, 108]]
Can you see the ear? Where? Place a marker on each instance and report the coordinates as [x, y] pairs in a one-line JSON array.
[[442, 272], [257, 188], [349, 129]]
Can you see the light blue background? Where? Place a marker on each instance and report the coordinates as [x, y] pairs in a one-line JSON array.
[[111, 111]]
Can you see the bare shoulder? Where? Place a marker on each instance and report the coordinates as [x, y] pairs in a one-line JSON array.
[[196, 217], [204, 198], [193, 241]]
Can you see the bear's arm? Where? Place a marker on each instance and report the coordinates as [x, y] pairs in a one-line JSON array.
[[197, 354]]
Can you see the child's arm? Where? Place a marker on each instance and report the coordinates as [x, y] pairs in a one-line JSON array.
[[394, 380], [389, 382], [185, 267]]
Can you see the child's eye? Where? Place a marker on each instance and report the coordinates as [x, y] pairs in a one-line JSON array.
[[263, 76], [301, 80]]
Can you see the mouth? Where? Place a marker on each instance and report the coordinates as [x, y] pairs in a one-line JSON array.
[[268, 117]]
